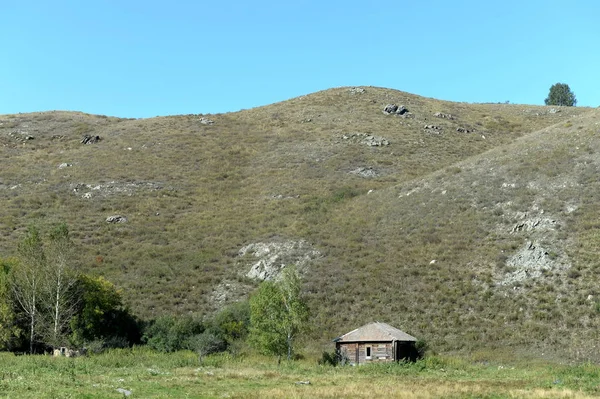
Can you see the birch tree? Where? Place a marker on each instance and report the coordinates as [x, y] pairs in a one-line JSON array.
[[43, 286], [27, 281], [278, 314], [59, 281]]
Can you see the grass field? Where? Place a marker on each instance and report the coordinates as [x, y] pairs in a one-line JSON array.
[[146, 374]]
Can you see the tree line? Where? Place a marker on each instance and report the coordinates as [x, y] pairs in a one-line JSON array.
[[47, 303]]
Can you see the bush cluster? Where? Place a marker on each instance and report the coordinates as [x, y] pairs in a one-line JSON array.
[[219, 333]]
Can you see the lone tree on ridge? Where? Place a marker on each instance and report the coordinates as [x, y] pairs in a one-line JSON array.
[[561, 94]]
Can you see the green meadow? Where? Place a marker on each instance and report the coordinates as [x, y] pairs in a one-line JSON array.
[[142, 373]]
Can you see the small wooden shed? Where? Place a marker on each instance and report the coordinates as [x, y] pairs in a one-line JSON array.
[[376, 342]]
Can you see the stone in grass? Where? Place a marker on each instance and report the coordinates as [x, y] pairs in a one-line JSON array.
[[116, 219], [124, 391], [87, 139]]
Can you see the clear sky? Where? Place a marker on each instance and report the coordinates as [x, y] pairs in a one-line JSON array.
[[134, 58]]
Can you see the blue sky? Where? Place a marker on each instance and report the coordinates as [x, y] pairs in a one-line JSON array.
[[148, 58]]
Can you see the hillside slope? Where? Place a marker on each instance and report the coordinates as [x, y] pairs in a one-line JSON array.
[[471, 238]]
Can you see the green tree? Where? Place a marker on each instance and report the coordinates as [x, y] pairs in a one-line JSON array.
[[59, 281], [42, 285], [27, 282], [101, 316], [8, 327], [278, 314], [561, 94]]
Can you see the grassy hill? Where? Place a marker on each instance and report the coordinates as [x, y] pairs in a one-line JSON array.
[[484, 237]]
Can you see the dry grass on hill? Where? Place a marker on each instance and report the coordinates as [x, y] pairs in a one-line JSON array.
[[432, 249]]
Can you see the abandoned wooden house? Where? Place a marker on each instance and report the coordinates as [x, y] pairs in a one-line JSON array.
[[376, 342]]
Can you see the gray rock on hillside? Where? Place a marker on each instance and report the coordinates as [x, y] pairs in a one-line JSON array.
[[272, 257], [116, 219], [530, 262], [443, 115], [375, 141], [206, 121], [87, 139], [367, 139], [366, 172], [435, 128], [395, 109]]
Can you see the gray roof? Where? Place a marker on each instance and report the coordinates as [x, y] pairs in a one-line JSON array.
[[375, 332]]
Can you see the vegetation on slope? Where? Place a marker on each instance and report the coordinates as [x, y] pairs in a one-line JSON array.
[[430, 250]]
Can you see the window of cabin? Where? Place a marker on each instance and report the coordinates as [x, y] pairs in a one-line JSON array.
[[368, 352]]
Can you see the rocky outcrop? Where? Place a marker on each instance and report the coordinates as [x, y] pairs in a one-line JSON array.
[[542, 255], [534, 223], [395, 109], [443, 116], [116, 219], [87, 139], [366, 172], [367, 139], [356, 90], [531, 261], [463, 130], [268, 259]]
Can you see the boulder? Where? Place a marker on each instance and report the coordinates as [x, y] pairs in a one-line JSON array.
[[390, 109], [395, 109], [116, 219], [366, 172], [443, 116], [87, 139], [463, 130], [375, 141], [367, 139], [206, 121]]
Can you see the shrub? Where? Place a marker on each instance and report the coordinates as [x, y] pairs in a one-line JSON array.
[[101, 315], [170, 333], [233, 321], [331, 358], [422, 348], [206, 343]]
